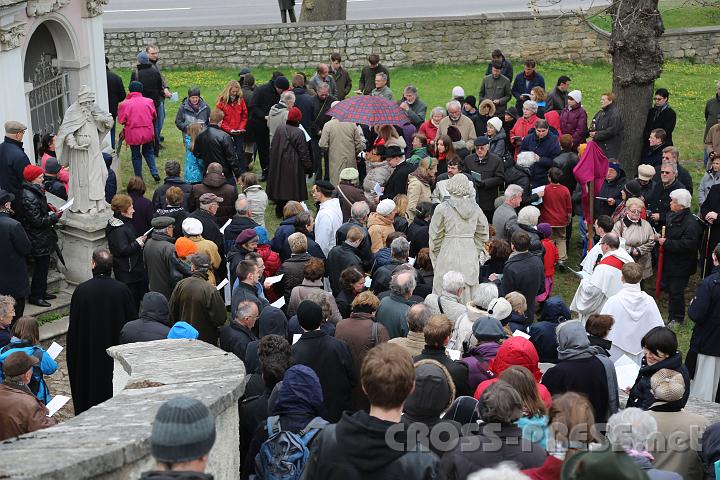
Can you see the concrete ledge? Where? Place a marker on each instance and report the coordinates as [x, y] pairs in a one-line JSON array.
[[54, 329], [111, 440]]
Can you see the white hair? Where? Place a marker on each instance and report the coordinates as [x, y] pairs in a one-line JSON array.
[[503, 471], [381, 75], [453, 104], [682, 197], [484, 294], [287, 96], [513, 190], [631, 429], [437, 110], [531, 105], [453, 281], [528, 216], [403, 283], [525, 159]]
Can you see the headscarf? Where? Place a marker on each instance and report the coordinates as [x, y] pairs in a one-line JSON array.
[[573, 342]]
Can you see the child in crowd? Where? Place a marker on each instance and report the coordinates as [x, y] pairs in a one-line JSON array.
[[556, 210], [550, 259]]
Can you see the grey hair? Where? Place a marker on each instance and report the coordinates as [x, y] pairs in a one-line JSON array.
[[501, 403], [6, 303], [439, 110], [242, 204], [528, 215], [245, 309], [672, 150], [671, 165], [484, 294], [402, 283], [411, 89], [382, 75], [359, 210], [631, 429], [323, 86], [525, 159], [417, 317], [611, 240], [503, 471], [400, 248], [320, 297], [531, 105], [681, 196], [453, 281], [287, 96], [512, 191], [453, 104]]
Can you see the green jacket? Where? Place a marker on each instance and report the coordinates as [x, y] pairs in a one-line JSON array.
[[496, 89]]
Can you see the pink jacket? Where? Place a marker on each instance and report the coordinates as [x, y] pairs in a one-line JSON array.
[[137, 113], [63, 175]]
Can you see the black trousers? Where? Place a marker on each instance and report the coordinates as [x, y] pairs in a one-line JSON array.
[[38, 285], [262, 142], [676, 289], [138, 290]]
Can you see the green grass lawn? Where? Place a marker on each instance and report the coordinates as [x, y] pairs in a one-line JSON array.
[[690, 86], [676, 14]]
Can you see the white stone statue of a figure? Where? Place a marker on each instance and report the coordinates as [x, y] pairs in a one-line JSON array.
[[78, 145]]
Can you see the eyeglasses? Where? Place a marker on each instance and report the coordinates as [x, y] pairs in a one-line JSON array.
[[635, 212], [665, 173]]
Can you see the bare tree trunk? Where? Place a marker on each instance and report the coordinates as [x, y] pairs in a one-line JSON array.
[[323, 10], [637, 62]]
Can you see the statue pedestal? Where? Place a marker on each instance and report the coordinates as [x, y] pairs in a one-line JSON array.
[[81, 234]]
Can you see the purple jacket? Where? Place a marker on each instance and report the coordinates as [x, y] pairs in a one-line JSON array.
[[143, 213], [408, 130], [574, 122], [478, 360]]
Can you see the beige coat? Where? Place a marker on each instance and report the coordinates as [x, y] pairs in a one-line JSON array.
[[417, 192], [640, 236], [414, 343], [680, 429], [458, 232], [258, 203], [379, 228], [466, 127], [211, 250], [342, 141]]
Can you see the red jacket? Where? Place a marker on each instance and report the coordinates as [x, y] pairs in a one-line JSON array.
[[429, 130], [521, 129], [137, 113], [550, 470], [516, 351], [551, 257], [556, 206], [236, 115]]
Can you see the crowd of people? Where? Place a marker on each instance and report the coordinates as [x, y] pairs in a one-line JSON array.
[[398, 328]]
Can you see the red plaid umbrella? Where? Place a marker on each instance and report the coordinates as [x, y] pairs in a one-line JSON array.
[[369, 111]]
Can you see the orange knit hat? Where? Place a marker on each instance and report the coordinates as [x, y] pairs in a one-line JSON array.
[[184, 247]]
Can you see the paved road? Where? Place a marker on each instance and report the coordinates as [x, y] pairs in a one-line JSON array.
[[187, 13]]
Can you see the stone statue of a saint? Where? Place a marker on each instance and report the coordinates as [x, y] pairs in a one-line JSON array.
[[78, 145]]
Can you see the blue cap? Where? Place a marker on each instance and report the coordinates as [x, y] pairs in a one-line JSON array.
[[183, 330]]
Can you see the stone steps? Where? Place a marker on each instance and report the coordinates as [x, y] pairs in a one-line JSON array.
[[61, 304]]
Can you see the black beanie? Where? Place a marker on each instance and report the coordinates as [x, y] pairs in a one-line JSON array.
[[309, 315]]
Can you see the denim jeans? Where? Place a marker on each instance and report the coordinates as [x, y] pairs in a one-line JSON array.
[[139, 151], [239, 142], [160, 119], [112, 134], [583, 235]]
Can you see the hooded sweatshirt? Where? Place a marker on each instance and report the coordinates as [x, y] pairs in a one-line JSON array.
[[581, 369], [272, 321], [153, 324], [635, 313]]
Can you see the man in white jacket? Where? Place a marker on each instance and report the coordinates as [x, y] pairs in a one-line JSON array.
[[329, 217], [604, 282], [635, 313]]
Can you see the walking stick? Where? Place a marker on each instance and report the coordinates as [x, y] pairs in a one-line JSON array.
[[661, 254], [590, 231], [707, 246]]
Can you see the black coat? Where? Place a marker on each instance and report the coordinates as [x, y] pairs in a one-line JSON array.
[[641, 395], [418, 234], [178, 213], [312, 248], [237, 224], [152, 82], [158, 200], [585, 376], [15, 245], [524, 273], [292, 272], [264, 97], [659, 201], [116, 91], [153, 324], [609, 189], [682, 239], [289, 161], [339, 258], [215, 145], [128, 265], [89, 366], [333, 362], [397, 183], [458, 370], [492, 177], [711, 204], [364, 248], [235, 338], [54, 186], [704, 311], [12, 163], [37, 220], [608, 130], [664, 118], [517, 175]]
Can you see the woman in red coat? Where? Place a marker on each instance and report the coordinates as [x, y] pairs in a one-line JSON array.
[[429, 128], [232, 103]]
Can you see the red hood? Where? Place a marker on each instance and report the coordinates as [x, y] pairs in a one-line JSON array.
[[516, 351]]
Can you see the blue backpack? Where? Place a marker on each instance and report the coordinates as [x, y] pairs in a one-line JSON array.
[[284, 454]]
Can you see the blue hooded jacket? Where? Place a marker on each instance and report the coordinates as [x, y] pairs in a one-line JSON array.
[[47, 365], [542, 333]]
